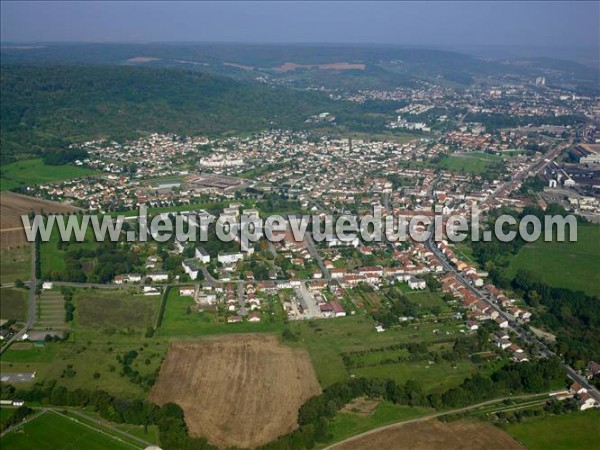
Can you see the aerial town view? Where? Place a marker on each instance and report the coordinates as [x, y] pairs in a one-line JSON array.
[[300, 225]]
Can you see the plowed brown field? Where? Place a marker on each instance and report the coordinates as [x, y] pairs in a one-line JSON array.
[[435, 435], [12, 206], [236, 390]]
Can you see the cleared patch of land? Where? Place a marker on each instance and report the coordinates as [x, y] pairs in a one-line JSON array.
[[13, 206], [578, 430], [289, 66], [33, 171], [236, 390], [435, 435], [141, 59], [13, 304], [548, 260]]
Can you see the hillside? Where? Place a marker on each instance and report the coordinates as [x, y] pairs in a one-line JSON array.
[[42, 106]]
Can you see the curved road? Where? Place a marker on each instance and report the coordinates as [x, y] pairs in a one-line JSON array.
[[429, 417]]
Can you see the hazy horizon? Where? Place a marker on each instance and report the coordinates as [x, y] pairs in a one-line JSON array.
[[560, 25]]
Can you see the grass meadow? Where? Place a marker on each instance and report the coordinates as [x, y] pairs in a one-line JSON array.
[[52, 431], [572, 265], [33, 171], [579, 430]]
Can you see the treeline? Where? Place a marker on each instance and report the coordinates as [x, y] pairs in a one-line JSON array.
[[573, 315], [58, 157], [168, 418], [314, 415], [20, 413]]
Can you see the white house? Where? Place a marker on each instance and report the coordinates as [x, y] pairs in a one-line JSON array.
[[202, 255], [158, 276], [187, 291], [416, 283], [190, 268], [229, 258]]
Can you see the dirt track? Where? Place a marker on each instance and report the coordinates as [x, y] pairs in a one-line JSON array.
[[436, 435], [236, 390]]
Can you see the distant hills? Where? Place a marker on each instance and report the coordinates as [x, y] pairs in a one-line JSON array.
[[42, 106], [52, 94]]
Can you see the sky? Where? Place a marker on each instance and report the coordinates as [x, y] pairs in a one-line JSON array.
[[426, 23]]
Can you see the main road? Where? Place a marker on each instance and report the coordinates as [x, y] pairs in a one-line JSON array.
[[523, 333]]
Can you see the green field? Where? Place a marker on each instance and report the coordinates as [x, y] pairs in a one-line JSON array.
[[13, 304], [15, 264], [572, 265], [346, 424], [33, 171], [473, 162], [116, 310], [327, 339], [428, 301], [575, 431], [5, 414], [177, 322], [53, 431]]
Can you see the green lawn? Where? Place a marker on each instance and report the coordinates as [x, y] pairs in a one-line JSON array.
[[13, 303], [435, 377], [473, 162], [428, 301], [346, 424], [572, 265], [580, 430], [52, 431], [33, 171], [5, 414], [15, 263]]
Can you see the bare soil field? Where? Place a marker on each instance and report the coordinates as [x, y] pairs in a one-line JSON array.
[[239, 390], [436, 435], [362, 406], [290, 66], [12, 206]]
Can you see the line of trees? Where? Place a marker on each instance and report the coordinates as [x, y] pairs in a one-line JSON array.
[[315, 414], [168, 418]]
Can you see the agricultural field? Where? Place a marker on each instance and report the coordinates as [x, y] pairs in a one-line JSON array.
[[572, 431], [107, 348], [15, 264], [13, 304], [13, 206], [236, 390], [118, 311], [54, 431], [549, 259], [435, 435], [33, 171]]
